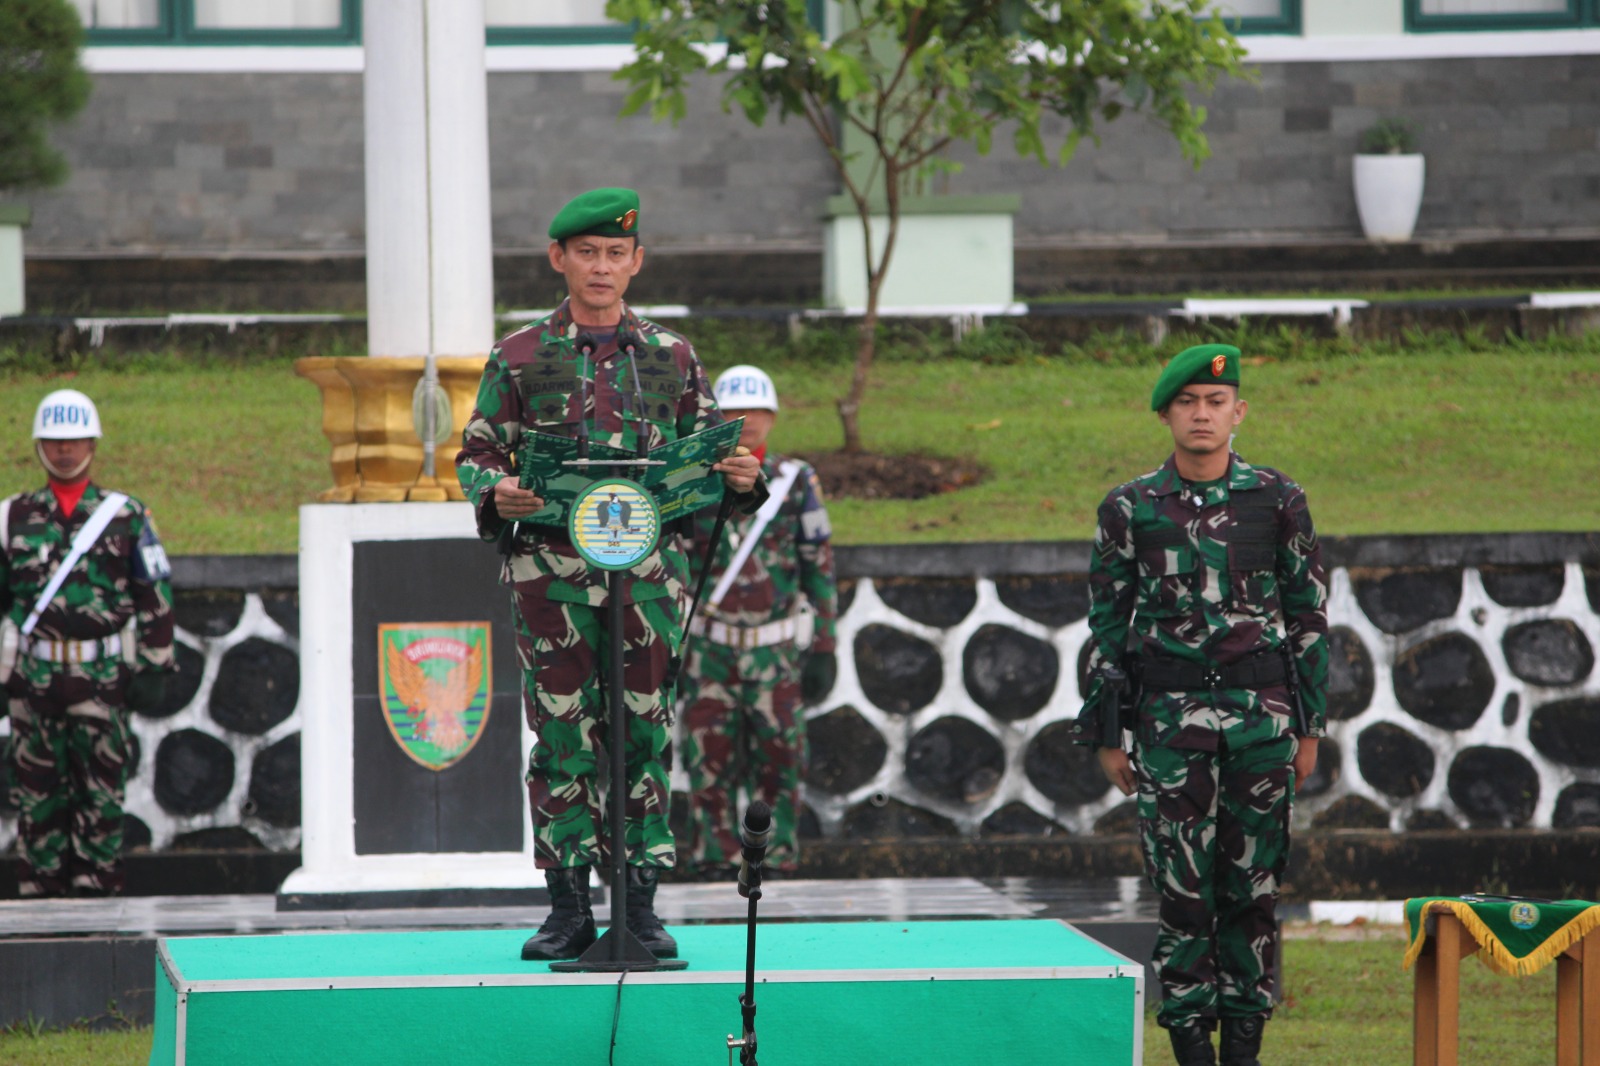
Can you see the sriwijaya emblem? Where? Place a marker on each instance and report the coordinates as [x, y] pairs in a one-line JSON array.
[[434, 680]]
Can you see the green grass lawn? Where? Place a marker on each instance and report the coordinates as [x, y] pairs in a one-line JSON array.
[[1431, 435], [1346, 1001]]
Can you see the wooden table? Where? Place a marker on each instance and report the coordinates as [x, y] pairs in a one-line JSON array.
[[1438, 994]]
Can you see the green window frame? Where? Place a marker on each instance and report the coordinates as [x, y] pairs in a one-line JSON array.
[[608, 33], [1579, 14], [1287, 20], [176, 26]]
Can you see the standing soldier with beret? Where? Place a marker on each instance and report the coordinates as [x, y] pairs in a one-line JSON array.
[[747, 676], [594, 370], [1215, 565], [87, 633]]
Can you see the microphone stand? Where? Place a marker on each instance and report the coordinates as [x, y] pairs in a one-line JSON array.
[[755, 852]]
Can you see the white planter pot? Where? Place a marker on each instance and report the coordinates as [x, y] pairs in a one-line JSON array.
[[1388, 195]]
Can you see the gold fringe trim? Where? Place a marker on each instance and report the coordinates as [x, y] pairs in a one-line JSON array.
[[1495, 954]]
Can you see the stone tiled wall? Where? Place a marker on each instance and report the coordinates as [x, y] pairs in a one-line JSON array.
[[1463, 694], [1459, 697], [258, 163]]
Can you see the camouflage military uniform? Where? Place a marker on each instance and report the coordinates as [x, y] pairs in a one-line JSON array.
[[71, 743], [1202, 571], [742, 721], [531, 382]]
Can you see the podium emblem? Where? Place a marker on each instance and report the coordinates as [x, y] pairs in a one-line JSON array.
[[434, 684], [614, 524]]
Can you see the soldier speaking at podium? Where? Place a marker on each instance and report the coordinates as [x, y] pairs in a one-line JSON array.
[[1215, 565], [594, 371]]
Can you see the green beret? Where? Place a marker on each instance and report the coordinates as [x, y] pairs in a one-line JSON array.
[[599, 213], [1204, 364]]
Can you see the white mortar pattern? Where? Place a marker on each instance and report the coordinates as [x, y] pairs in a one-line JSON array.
[[1477, 616], [254, 621]]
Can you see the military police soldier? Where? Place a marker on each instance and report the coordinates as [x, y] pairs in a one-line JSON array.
[[594, 369], [747, 674], [1215, 566], [87, 633]]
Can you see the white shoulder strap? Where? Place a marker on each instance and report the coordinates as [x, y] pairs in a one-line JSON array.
[[5, 521], [788, 470], [96, 525]]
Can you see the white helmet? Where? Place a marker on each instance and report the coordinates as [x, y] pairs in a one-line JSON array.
[[745, 388], [66, 414]]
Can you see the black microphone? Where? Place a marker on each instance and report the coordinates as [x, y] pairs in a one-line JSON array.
[[754, 834]]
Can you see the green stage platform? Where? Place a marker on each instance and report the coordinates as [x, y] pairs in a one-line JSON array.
[[954, 992]]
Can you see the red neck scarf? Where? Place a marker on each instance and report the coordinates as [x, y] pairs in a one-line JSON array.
[[760, 454], [68, 493]]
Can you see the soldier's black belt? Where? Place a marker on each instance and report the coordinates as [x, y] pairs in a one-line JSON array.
[[1177, 675]]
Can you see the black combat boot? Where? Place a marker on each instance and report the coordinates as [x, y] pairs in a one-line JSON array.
[[642, 920], [1241, 1041], [1191, 1045], [569, 929]]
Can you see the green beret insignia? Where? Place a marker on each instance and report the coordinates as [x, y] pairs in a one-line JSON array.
[[1204, 364], [599, 213]]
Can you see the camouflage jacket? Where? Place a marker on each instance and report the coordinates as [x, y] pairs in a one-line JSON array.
[[531, 382], [123, 576], [794, 559], [1204, 573]]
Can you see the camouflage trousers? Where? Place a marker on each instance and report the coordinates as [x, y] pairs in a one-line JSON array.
[[1215, 832], [564, 649], [70, 754], [743, 731]]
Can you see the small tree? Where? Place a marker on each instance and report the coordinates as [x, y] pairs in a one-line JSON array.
[[911, 77], [41, 82]]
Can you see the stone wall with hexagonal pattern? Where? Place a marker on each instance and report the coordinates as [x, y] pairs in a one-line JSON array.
[[1463, 694]]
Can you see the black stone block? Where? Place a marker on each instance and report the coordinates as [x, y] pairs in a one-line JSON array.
[[807, 826], [1428, 820], [257, 686], [956, 760], [899, 672], [1578, 807], [1553, 651], [931, 601], [894, 820], [1510, 709], [135, 833], [1352, 812], [1009, 674], [847, 751], [1446, 681], [135, 754], [1394, 761], [1406, 599], [275, 783], [218, 838], [1523, 586], [207, 612], [182, 685], [1349, 674], [1017, 820], [1119, 820], [1051, 601], [1568, 731], [1494, 787], [1066, 773], [283, 607], [847, 595], [1591, 585], [1330, 764], [194, 772]]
